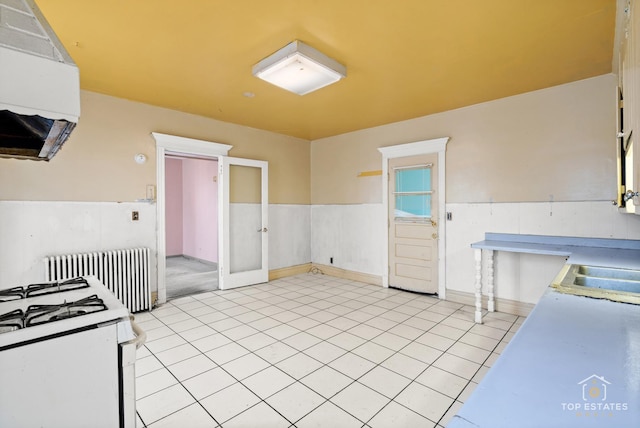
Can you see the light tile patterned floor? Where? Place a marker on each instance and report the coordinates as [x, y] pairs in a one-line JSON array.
[[312, 351]]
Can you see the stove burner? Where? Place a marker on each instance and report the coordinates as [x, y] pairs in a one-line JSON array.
[[55, 287], [17, 293], [11, 321], [41, 314], [14, 293]]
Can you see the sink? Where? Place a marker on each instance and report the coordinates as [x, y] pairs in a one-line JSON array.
[[608, 283], [620, 285], [609, 273]]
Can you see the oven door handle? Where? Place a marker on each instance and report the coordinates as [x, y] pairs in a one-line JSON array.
[[141, 336]]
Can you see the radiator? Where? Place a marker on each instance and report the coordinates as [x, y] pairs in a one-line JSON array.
[[124, 272]]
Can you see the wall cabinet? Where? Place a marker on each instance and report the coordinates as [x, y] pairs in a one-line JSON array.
[[629, 107]]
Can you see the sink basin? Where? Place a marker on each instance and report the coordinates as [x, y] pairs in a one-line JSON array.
[[611, 273], [608, 283], [620, 285]]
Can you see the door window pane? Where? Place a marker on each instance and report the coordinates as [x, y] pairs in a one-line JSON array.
[[413, 193], [413, 180], [245, 219]]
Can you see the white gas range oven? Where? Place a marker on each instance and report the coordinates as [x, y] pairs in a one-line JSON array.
[[67, 355]]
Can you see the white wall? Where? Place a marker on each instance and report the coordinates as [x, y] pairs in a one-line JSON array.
[[524, 277], [31, 231], [351, 234], [289, 235]]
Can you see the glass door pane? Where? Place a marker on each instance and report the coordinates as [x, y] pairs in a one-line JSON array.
[[413, 191], [243, 216]]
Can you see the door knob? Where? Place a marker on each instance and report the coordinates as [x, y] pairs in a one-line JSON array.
[[434, 235], [263, 230], [434, 223]]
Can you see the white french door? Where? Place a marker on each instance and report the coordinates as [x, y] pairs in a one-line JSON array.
[[243, 222]]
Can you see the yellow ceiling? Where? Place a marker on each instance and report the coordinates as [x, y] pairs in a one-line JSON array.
[[404, 59]]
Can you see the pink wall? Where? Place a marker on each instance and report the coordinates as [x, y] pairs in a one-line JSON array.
[[200, 209], [173, 208]]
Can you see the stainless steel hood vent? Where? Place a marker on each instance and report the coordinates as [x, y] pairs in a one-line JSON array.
[[39, 84]]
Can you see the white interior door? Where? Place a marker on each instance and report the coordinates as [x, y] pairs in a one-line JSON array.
[[413, 223], [243, 220]]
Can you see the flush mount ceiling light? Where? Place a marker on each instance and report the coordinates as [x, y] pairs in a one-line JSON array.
[[299, 68]]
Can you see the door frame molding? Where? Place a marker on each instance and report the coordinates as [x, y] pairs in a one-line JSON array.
[[436, 145], [172, 144]]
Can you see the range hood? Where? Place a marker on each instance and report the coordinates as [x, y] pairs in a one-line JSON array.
[[39, 84]]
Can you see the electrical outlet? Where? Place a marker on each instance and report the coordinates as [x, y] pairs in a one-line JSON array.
[[135, 216], [449, 216]]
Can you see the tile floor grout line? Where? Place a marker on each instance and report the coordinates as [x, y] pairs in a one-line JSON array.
[[141, 420], [393, 399], [327, 365], [182, 408], [240, 381], [380, 365], [479, 368], [181, 384], [325, 340], [347, 307]]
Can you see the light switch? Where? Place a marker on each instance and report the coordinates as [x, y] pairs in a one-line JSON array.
[[151, 192]]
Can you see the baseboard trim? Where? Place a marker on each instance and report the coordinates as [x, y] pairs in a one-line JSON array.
[[502, 305], [349, 274], [203, 261], [289, 271]]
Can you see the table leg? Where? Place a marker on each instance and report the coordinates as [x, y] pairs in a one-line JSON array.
[[478, 258], [491, 304]]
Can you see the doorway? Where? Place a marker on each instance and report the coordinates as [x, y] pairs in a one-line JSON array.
[[413, 220], [191, 221], [242, 211], [421, 249]]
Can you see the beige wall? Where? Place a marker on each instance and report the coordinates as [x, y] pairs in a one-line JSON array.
[[558, 141], [96, 164], [244, 184]]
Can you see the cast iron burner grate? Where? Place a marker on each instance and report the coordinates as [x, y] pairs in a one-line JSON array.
[[42, 314], [55, 287], [11, 321], [34, 290], [15, 293]]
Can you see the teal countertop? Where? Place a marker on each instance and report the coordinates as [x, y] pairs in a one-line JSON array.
[[575, 362]]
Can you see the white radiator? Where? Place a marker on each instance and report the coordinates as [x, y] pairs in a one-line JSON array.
[[124, 272]]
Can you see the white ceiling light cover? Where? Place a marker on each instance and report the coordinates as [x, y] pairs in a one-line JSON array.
[[299, 68]]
